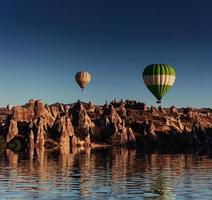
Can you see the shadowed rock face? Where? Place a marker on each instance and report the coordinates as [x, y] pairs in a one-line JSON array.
[[119, 123]]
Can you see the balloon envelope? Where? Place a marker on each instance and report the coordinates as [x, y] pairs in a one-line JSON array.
[[9, 107], [83, 79], [159, 78]]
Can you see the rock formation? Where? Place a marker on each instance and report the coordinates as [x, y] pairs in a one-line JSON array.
[[162, 110], [151, 131], [54, 111], [122, 123], [82, 123], [153, 110], [65, 129], [40, 140], [31, 140], [188, 112], [41, 112], [12, 131], [20, 114], [173, 109], [90, 107], [131, 137], [123, 111], [113, 116]]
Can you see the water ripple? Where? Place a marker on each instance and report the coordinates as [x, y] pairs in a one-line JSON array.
[[105, 174]]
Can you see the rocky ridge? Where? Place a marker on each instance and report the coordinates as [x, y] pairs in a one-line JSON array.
[[122, 123]]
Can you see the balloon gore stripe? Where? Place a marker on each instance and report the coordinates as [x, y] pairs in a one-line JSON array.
[[82, 78], [159, 80]]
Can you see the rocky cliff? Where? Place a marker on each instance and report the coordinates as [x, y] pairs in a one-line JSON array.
[[123, 123]]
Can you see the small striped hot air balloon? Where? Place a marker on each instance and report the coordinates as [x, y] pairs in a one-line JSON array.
[[9, 107], [83, 79], [159, 78]]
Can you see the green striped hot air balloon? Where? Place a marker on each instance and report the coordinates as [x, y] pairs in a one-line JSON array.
[[159, 78]]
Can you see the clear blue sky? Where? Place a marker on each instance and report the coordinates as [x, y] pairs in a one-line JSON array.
[[43, 43]]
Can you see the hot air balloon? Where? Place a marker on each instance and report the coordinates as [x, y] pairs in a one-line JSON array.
[[9, 107], [159, 78], [82, 78]]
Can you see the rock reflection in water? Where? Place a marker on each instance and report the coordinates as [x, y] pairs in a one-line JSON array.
[[103, 174]]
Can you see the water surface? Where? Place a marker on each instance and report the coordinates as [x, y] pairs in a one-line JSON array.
[[104, 174]]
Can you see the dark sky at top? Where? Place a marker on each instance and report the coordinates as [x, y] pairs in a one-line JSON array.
[[43, 43]]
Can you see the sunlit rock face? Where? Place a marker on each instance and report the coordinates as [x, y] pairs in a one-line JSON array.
[[12, 131], [151, 131], [123, 136], [31, 111], [153, 110], [64, 123], [131, 137], [54, 111], [64, 137], [20, 114], [174, 112], [41, 112], [116, 127], [31, 140], [113, 116], [162, 110], [84, 119], [40, 140], [117, 123], [123, 111], [82, 123], [36, 120], [90, 107], [66, 130], [173, 109]]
